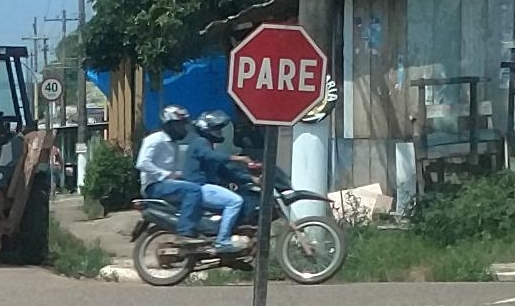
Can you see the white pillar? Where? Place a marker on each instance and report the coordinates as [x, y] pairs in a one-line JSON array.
[[81, 150], [309, 166]]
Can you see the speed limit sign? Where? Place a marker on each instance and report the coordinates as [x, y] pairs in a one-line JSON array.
[[51, 89]]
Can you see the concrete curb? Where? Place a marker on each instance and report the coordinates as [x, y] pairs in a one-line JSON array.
[[503, 272], [122, 271], [505, 276], [119, 274]]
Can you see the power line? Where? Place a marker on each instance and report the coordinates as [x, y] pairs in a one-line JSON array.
[[35, 40], [64, 20]]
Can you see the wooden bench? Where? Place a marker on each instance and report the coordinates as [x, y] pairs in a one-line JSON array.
[[435, 150]]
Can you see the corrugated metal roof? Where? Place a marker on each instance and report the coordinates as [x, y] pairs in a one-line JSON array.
[[257, 13]]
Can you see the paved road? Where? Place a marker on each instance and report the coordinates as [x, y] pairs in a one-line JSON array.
[[37, 287]]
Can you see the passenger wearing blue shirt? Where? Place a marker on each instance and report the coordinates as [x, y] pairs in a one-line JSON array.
[[160, 178], [201, 166]]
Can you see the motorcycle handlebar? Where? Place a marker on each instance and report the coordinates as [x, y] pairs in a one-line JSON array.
[[254, 166]]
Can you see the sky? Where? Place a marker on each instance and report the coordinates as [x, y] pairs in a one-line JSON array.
[[17, 17]]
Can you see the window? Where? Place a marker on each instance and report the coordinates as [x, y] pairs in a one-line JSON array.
[[6, 100]]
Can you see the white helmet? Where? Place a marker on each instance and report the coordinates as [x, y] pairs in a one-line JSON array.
[[173, 113]]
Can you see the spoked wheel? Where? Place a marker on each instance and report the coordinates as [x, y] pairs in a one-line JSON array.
[[161, 264], [324, 238]]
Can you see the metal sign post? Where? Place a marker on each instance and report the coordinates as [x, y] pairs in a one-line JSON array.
[[276, 76], [265, 217], [52, 90]]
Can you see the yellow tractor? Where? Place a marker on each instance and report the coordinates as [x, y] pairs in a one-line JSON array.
[[24, 169]]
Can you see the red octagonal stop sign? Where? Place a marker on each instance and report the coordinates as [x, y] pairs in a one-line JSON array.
[[277, 74]]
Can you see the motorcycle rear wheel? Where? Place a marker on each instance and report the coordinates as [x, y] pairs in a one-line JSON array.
[[139, 256], [340, 250]]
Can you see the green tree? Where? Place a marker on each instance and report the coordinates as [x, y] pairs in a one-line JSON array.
[[156, 34]]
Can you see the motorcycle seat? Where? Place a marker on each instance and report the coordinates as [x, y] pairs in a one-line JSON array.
[[173, 204]]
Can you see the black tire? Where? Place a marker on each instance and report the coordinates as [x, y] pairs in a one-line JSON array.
[[30, 245], [330, 224], [141, 244]]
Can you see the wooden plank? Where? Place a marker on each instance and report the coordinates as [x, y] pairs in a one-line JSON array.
[[17, 174], [113, 106], [128, 106], [338, 114], [500, 29], [391, 167], [379, 99], [398, 124], [139, 130], [361, 162], [457, 110], [361, 64], [473, 48], [345, 163], [406, 174], [447, 81], [120, 107], [447, 48], [460, 149], [510, 65], [284, 149], [348, 69], [420, 37], [36, 145], [379, 163]]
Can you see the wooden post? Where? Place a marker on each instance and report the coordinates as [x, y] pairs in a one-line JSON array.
[[473, 123]]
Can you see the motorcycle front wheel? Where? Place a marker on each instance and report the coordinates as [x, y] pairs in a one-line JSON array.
[[152, 275], [325, 239]]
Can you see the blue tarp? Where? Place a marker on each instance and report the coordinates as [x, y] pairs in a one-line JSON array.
[[201, 86]]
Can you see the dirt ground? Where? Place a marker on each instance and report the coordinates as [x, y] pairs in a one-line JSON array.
[[113, 231]]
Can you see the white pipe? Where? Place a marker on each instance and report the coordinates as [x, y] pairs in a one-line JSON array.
[[81, 150], [309, 166]]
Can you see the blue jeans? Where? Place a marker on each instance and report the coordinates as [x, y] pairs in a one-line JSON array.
[[220, 198], [56, 174], [190, 196]]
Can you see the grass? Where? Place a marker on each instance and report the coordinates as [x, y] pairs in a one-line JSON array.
[[397, 256], [73, 257], [393, 256], [223, 276]]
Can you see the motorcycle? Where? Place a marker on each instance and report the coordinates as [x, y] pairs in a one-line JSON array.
[[297, 242]]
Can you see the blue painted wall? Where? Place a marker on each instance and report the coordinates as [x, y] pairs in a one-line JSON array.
[[201, 86]]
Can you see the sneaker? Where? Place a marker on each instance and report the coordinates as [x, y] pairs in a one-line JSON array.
[[226, 248], [181, 239]]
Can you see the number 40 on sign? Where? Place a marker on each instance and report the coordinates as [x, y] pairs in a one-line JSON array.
[[51, 89]]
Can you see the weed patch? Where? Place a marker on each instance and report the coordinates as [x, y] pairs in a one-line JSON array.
[[73, 257], [395, 256]]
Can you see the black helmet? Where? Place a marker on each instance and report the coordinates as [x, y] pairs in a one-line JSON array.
[[174, 119], [210, 124]]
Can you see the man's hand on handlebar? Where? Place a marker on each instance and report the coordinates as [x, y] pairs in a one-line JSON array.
[[242, 159]]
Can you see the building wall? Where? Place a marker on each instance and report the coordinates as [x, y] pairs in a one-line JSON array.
[[389, 42], [125, 106]]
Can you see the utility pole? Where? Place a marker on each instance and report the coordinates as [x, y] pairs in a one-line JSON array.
[[45, 60], [310, 149], [35, 30], [34, 65], [45, 51], [81, 148], [64, 20]]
